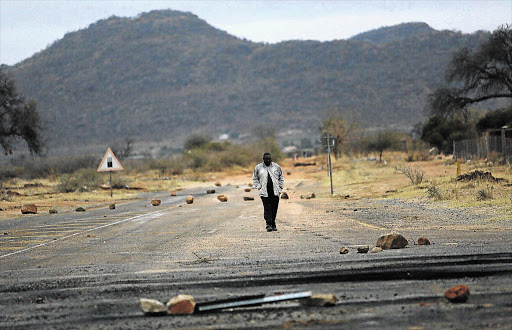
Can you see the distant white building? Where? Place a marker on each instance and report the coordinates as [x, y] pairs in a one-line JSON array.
[[224, 136]]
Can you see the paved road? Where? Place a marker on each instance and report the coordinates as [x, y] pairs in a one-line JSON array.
[[88, 270]]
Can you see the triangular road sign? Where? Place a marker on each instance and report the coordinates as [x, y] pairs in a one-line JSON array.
[[110, 162]]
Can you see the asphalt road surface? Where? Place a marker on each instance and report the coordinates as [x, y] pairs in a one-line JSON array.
[[89, 269]]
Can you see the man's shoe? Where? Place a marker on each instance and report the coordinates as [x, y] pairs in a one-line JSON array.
[[269, 229], [274, 228]]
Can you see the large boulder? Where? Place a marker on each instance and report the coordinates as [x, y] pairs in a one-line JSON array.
[[29, 209], [181, 304], [423, 241], [392, 241]]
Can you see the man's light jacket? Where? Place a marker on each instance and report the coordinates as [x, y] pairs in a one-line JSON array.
[[260, 176]]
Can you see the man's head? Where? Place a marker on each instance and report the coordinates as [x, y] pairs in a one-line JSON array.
[[267, 158]]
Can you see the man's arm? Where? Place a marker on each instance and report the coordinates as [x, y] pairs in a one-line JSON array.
[[281, 178], [256, 179]]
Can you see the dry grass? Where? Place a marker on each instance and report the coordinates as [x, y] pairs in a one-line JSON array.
[[355, 177]]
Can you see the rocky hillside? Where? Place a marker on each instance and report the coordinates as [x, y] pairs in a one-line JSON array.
[[166, 74]]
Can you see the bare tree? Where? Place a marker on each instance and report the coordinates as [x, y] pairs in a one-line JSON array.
[[477, 76]]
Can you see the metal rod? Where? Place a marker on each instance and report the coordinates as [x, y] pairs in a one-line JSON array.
[[110, 184], [252, 302]]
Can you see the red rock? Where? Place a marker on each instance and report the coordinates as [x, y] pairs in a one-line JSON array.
[[247, 189], [423, 241], [173, 193], [222, 198], [392, 241], [210, 191], [217, 184], [29, 209], [156, 202], [181, 304], [190, 199], [457, 294]]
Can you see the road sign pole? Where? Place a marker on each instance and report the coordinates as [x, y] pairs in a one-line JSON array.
[[110, 184], [329, 159]]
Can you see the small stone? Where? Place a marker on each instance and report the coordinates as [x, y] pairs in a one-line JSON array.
[[247, 198], [29, 209], [457, 294], [173, 193], [376, 250], [189, 199], [112, 206], [156, 202], [152, 306], [284, 195], [363, 249], [80, 209], [423, 241], [320, 300], [217, 184], [53, 210], [181, 304], [210, 191], [392, 241], [343, 250], [222, 198], [247, 189], [250, 184]]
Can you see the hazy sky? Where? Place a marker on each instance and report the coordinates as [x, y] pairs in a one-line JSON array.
[[27, 27]]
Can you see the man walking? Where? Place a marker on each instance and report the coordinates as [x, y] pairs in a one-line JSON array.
[[268, 179]]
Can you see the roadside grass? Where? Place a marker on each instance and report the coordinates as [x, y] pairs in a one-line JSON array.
[[358, 178]]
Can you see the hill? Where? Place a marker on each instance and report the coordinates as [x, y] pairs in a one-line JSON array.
[[163, 75]]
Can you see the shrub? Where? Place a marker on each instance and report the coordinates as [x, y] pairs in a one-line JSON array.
[[79, 181], [414, 174], [486, 193]]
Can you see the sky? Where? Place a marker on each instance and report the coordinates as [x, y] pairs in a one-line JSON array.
[[27, 27]]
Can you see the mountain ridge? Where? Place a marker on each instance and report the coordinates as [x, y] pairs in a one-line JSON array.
[[165, 74]]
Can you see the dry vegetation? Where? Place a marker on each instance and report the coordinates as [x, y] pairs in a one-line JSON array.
[[354, 178]]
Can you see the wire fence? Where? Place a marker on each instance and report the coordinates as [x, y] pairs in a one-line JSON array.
[[491, 147]]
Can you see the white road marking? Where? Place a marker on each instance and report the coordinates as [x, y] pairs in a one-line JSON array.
[[151, 215]]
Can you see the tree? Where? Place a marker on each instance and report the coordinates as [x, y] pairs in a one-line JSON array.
[[382, 141], [440, 132], [495, 119], [476, 76], [340, 129], [18, 119]]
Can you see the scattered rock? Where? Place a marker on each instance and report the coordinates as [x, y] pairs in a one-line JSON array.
[[189, 199], [156, 202], [284, 195], [479, 175], [112, 206], [53, 210], [217, 184], [210, 191], [376, 250], [247, 189], [343, 250], [308, 196], [320, 300], [247, 198], [423, 241], [29, 209], [173, 193], [80, 209], [32, 185], [152, 306], [222, 198], [181, 304], [363, 249], [457, 294], [250, 184], [392, 241]]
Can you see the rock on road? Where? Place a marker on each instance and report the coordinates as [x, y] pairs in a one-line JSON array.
[[88, 270]]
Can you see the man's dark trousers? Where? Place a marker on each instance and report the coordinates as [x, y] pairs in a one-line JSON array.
[[270, 205]]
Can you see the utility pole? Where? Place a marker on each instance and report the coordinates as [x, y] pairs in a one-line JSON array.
[[330, 143]]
